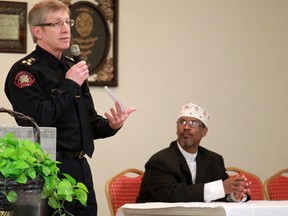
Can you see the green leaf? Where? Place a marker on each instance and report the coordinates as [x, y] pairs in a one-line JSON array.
[[52, 202], [39, 153], [51, 181], [69, 198], [31, 160], [20, 164], [9, 135], [81, 195], [45, 170], [47, 191], [53, 168], [70, 178], [64, 188], [8, 152], [22, 178], [3, 162], [12, 196], [30, 146], [32, 173], [80, 185]]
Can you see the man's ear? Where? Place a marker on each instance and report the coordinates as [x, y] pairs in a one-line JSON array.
[[37, 32]]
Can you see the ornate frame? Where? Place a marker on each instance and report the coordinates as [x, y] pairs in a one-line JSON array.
[[96, 33], [13, 27]]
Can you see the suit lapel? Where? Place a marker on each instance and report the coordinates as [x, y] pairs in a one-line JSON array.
[[201, 166], [183, 164]]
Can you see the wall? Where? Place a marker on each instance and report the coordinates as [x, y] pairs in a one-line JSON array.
[[228, 56]]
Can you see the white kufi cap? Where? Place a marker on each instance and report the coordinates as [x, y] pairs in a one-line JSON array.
[[195, 111]]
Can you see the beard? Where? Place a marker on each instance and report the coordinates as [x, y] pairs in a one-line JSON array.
[[185, 142]]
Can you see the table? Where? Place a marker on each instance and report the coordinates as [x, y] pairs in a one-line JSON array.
[[251, 208]]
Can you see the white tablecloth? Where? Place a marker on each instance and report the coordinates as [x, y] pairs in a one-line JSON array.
[[257, 208], [251, 208]]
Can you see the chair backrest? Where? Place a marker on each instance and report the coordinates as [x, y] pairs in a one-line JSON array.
[[276, 187], [257, 191], [123, 188]]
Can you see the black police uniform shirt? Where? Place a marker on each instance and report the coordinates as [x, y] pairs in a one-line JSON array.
[[36, 86]]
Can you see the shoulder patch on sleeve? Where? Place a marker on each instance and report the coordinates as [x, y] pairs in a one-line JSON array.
[[24, 79]]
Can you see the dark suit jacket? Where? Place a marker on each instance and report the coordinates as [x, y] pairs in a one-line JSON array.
[[167, 177]]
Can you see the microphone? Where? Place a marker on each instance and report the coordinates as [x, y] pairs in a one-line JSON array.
[[75, 51]]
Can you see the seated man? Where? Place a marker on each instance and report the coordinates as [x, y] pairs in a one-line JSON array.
[[188, 172]]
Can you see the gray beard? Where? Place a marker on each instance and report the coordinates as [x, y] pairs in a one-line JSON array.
[[186, 144]]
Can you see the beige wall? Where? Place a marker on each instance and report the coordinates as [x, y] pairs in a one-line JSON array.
[[229, 56]]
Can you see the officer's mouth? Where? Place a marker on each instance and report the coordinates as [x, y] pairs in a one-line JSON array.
[[65, 39]]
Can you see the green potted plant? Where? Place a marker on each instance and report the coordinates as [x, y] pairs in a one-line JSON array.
[[23, 161]]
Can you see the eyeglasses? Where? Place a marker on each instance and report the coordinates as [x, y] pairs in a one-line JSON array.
[[191, 123], [59, 24]]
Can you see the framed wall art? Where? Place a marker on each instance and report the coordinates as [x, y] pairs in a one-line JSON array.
[[13, 27], [96, 33]]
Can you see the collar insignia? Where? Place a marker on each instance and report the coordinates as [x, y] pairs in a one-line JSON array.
[[69, 58], [29, 61]]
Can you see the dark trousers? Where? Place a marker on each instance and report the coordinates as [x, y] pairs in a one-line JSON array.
[[80, 170]]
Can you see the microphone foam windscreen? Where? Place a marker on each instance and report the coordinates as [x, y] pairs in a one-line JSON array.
[[74, 49]]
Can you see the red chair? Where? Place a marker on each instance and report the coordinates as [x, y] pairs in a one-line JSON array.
[[257, 191], [276, 187], [123, 188]]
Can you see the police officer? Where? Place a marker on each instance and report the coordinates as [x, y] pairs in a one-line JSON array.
[[52, 90]]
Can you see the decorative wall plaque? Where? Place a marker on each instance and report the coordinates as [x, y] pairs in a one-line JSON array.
[[95, 32]]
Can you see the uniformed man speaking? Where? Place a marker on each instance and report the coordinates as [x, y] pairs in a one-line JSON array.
[[53, 90]]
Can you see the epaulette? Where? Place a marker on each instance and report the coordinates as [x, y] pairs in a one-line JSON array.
[[29, 61], [69, 58]]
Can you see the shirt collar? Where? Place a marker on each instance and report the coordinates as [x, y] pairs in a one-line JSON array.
[[48, 56]]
